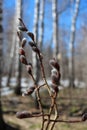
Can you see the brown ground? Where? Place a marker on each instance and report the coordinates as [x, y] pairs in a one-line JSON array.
[[72, 104]]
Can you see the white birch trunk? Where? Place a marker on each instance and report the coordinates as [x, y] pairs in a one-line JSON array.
[[18, 15], [41, 17], [34, 57], [55, 27], [18, 64], [12, 53], [72, 40]]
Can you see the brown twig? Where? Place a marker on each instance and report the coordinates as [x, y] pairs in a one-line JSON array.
[[53, 104], [39, 100], [66, 121], [52, 89], [32, 115], [56, 112], [36, 86]]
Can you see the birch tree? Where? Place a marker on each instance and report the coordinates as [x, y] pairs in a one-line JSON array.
[[34, 57], [55, 27], [41, 17], [12, 52], [71, 44], [18, 64], [1, 66]]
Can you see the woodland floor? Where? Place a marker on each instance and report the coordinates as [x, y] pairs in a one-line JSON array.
[[72, 104]]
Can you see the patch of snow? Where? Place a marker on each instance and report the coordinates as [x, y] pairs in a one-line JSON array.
[[64, 83], [6, 92]]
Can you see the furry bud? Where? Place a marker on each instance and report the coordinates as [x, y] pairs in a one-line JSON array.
[[35, 49], [21, 51], [21, 28], [55, 79], [29, 68], [31, 35], [84, 117], [54, 64], [32, 44], [23, 59], [23, 42], [41, 56], [54, 71], [23, 114], [29, 91], [54, 87]]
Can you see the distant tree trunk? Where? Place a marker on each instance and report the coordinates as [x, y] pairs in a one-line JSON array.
[[72, 40], [36, 19], [34, 56], [2, 124], [12, 53], [41, 26], [55, 27], [41, 17], [18, 63]]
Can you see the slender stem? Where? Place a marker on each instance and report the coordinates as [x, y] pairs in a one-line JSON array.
[[56, 112], [48, 88], [50, 112], [37, 90], [33, 78], [51, 109], [41, 108], [40, 86], [52, 99], [58, 120], [66, 121], [39, 101], [43, 73]]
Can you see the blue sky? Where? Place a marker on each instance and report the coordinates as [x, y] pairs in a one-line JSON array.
[[28, 15]]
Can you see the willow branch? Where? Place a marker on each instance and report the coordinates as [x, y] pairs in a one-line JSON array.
[[56, 112], [39, 101]]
